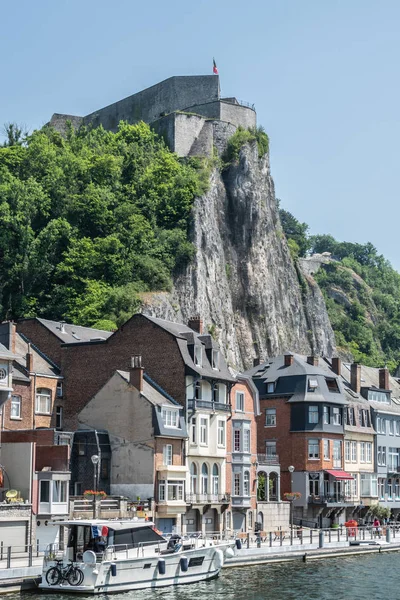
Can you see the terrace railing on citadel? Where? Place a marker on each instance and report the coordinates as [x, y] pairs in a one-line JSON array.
[[240, 103]]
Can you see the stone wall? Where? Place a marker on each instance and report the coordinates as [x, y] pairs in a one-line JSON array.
[[238, 115], [221, 133], [275, 515]]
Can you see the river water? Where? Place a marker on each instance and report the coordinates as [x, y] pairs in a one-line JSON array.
[[372, 577]]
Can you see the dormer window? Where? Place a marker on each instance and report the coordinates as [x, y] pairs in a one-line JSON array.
[[376, 396], [198, 356], [312, 385], [270, 388], [332, 385], [215, 359], [170, 417]]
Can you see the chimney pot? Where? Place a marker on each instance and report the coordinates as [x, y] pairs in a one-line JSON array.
[[136, 372], [29, 359], [196, 323], [384, 379], [336, 365], [355, 377], [62, 326], [312, 360], [288, 360]]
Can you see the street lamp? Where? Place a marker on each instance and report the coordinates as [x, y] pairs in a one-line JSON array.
[[95, 460], [291, 470]]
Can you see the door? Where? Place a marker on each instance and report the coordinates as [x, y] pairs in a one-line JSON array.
[[190, 520], [14, 533], [166, 525]]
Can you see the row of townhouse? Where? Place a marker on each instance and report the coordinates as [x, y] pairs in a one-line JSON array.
[[180, 435], [335, 430]]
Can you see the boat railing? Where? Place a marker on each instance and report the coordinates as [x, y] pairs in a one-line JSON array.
[[111, 551], [53, 552]]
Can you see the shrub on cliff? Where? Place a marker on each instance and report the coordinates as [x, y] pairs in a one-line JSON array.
[[90, 220], [242, 137]]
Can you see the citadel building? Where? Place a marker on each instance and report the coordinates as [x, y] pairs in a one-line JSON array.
[[187, 111]]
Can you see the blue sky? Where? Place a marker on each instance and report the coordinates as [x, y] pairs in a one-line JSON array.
[[323, 74]]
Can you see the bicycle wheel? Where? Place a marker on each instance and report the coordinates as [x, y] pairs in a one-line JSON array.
[[53, 576], [75, 576]]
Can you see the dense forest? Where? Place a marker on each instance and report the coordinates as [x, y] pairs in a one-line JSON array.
[[361, 290], [92, 220]]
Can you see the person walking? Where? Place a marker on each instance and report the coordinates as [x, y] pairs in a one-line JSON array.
[[377, 527]]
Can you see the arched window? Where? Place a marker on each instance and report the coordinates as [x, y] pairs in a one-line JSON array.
[[43, 401], [204, 479], [193, 478], [215, 480], [246, 484]]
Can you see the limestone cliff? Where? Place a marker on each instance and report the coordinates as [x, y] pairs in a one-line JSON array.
[[242, 280]]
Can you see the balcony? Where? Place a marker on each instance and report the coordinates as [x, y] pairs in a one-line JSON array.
[[266, 459], [195, 404], [208, 498], [241, 501], [331, 500]]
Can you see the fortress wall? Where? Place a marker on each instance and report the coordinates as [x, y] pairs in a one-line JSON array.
[[222, 131], [211, 110], [170, 95], [59, 122], [190, 129], [238, 115]]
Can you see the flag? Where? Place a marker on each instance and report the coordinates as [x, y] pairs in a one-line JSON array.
[[99, 531], [215, 70]]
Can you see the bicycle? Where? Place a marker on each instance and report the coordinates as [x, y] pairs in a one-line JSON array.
[[55, 575]]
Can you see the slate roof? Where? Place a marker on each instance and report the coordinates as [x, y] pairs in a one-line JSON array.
[[42, 365], [186, 337], [74, 334], [6, 354]]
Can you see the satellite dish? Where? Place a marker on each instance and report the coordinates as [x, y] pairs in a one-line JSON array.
[[12, 494]]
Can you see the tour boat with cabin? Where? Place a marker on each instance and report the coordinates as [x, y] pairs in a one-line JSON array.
[[117, 556]]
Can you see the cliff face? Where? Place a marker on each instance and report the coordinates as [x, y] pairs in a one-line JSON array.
[[242, 280]]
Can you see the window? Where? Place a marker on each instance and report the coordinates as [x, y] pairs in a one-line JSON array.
[[379, 396], [313, 414], [170, 490], [246, 484], [221, 433], [270, 449], [391, 427], [361, 416], [44, 491], [170, 417], [270, 387], [250, 519], [332, 385], [326, 450], [350, 416], [378, 424], [246, 440], [43, 401], [161, 490], [354, 485], [3, 373], [347, 451], [167, 454], [59, 417], [397, 427], [313, 484], [368, 452], [270, 417], [215, 359], [16, 402], [59, 392], [337, 453], [197, 390], [381, 488], [215, 392], [326, 415], [336, 416], [198, 356], [240, 401], [193, 478], [382, 456], [215, 480], [313, 448], [353, 452], [237, 446], [82, 448], [236, 482], [193, 433], [204, 479], [368, 485], [383, 425], [312, 385], [393, 460], [105, 468], [228, 519], [390, 489], [203, 431], [362, 452], [396, 489], [59, 491]]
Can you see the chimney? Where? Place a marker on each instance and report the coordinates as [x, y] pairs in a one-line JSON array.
[[62, 326], [384, 379], [256, 361], [312, 360], [355, 377], [336, 365], [29, 359], [288, 360], [196, 323], [136, 373], [7, 335]]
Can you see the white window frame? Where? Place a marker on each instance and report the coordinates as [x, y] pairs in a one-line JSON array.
[[313, 449], [237, 440], [221, 437], [368, 452], [167, 455], [16, 402], [270, 444], [270, 417], [203, 431], [271, 387], [60, 492], [170, 417], [325, 415], [391, 427], [347, 453], [198, 356], [326, 450], [313, 414], [362, 452], [40, 397], [215, 358], [193, 431], [246, 483], [246, 441], [336, 416], [239, 402], [236, 484]]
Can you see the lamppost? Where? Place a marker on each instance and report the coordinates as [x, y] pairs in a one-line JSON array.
[[95, 460], [291, 470]]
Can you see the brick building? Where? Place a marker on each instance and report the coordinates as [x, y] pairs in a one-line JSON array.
[[302, 420]]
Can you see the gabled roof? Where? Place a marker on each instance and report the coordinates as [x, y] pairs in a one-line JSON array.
[[73, 334], [6, 354], [42, 365]]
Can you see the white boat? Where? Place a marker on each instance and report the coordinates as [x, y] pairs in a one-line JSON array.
[[117, 556]]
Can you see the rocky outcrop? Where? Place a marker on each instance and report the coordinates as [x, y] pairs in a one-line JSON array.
[[242, 280]]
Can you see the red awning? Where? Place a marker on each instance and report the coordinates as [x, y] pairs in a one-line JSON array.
[[337, 474]]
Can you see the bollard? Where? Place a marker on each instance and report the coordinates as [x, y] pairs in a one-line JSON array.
[[30, 556], [258, 539], [248, 539], [8, 557], [280, 537], [1, 550], [329, 536], [37, 547], [388, 536], [270, 539], [310, 536], [321, 539]]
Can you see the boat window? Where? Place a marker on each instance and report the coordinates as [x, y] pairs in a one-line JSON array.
[[133, 537]]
